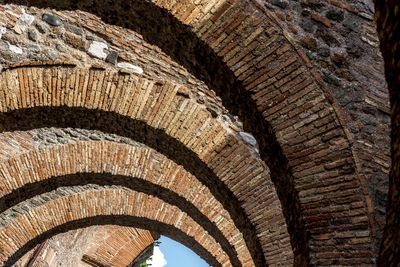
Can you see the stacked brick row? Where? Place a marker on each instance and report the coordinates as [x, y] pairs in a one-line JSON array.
[[77, 203], [119, 159], [72, 41], [161, 107], [118, 246], [308, 125], [104, 245], [328, 210], [340, 40]]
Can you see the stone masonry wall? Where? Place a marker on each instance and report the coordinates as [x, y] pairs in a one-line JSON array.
[[339, 38], [313, 159]]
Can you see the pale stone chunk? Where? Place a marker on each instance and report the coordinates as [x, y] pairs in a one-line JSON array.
[[96, 49], [129, 66]]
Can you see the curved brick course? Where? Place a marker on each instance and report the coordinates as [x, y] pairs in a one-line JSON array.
[[119, 164], [250, 61], [176, 116], [118, 246], [75, 203], [106, 245], [315, 156]]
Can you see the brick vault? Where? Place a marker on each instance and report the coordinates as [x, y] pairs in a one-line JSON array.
[[257, 133]]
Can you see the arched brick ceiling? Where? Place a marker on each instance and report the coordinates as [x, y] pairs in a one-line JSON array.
[[135, 167], [76, 203], [118, 246], [242, 54], [227, 155], [108, 245]]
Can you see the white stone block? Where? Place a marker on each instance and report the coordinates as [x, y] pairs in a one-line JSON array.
[[96, 49], [129, 66]]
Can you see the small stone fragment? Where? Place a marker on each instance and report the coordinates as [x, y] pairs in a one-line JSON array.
[[26, 19], [51, 54], [280, 3], [335, 14], [308, 42], [74, 29], [183, 91], [23, 23], [248, 138], [96, 49], [351, 24], [311, 55], [355, 51], [323, 51], [61, 47], [112, 57], [2, 31], [369, 41], [321, 19], [327, 37], [75, 41], [42, 28], [339, 58], [33, 34], [130, 67], [15, 49], [367, 16], [330, 79], [51, 20]]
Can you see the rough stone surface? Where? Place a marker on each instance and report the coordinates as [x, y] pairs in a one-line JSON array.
[[52, 20], [24, 21], [33, 34], [15, 49], [388, 16], [130, 67], [3, 30], [350, 64], [112, 57], [96, 49], [305, 77], [248, 138]]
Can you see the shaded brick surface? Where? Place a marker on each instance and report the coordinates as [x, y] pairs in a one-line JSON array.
[[324, 162]]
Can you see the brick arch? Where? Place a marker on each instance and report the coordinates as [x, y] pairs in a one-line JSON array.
[[98, 245], [229, 168], [135, 167], [306, 147], [112, 244], [67, 206]]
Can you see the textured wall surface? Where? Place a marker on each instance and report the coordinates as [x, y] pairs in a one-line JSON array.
[[278, 110], [340, 40], [388, 16], [92, 246]]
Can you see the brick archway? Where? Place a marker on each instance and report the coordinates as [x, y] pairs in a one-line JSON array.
[[72, 204], [104, 245], [216, 163], [136, 167], [297, 124]]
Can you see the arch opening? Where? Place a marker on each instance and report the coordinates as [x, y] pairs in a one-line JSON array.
[[139, 131]]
